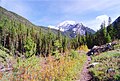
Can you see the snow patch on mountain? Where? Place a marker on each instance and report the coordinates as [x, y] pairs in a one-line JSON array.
[[54, 27], [50, 26], [66, 25]]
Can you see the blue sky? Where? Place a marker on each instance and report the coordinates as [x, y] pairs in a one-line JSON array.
[[52, 12]]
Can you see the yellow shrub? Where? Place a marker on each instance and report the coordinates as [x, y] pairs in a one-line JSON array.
[[83, 48]]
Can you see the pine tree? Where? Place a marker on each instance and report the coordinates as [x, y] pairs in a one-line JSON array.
[[38, 43], [89, 40], [59, 38], [109, 21], [115, 31], [118, 30], [101, 34], [30, 47], [108, 38], [64, 44], [49, 40], [111, 31]]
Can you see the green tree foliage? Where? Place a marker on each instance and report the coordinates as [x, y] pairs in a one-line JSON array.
[[64, 44], [90, 40], [30, 47], [110, 30], [57, 44], [114, 29], [117, 30], [108, 38], [102, 36], [78, 41], [109, 21]]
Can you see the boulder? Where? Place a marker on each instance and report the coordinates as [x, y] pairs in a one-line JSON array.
[[92, 65]]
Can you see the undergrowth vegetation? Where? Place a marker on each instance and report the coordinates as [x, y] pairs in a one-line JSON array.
[[83, 48], [66, 68], [108, 68]]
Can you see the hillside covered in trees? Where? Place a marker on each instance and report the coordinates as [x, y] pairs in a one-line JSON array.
[[24, 45], [20, 36]]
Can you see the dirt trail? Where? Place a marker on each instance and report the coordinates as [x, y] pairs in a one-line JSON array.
[[84, 75]]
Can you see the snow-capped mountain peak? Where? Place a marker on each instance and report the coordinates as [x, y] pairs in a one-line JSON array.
[[65, 25], [71, 28]]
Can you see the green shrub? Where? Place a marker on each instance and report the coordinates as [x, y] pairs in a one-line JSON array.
[[106, 60], [74, 54], [30, 47]]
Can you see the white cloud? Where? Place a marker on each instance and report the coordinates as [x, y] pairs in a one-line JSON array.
[[102, 18], [95, 23]]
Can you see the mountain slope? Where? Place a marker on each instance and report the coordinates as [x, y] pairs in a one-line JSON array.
[[20, 36], [17, 19], [14, 16]]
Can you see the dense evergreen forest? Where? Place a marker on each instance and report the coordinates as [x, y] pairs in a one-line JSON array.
[[22, 37]]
